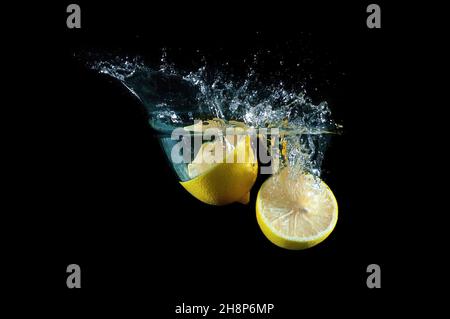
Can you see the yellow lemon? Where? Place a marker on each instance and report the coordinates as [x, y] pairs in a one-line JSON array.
[[296, 211], [221, 180]]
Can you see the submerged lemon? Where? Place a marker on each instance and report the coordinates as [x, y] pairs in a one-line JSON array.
[[296, 212], [227, 180]]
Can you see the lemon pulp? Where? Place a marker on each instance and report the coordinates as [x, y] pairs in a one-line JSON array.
[[296, 211]]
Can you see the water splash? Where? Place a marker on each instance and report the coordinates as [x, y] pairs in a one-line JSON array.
[[174, 99]]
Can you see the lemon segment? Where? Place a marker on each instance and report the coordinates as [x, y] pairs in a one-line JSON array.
[[296, 211]]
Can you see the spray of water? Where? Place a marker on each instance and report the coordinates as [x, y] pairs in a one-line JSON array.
[[174, 99]]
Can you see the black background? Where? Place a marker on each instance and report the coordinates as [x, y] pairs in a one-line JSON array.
[[110, 203]]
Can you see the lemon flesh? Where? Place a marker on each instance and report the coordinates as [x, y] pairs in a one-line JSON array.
[[296, 211], [205, 159], [223, 181]]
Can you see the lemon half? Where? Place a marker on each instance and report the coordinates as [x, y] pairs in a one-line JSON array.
[[230, 180], [296, 211]]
